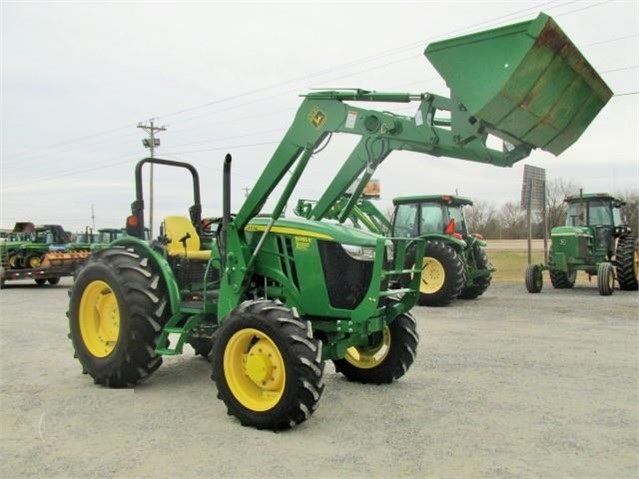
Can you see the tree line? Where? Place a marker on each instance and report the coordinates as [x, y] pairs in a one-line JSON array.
[[509, 221]]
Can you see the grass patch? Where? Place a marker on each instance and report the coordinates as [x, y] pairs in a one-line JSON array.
[[511, 265]]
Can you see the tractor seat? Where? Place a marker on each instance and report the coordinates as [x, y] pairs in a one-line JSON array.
[[176, 228]]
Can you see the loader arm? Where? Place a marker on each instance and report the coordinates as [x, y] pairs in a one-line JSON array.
[[537, 91], [325, 112], [525, 83]]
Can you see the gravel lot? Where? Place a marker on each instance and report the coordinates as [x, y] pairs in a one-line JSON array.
[[511, 385]]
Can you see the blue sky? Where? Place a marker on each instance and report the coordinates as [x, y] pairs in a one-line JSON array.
[[77, 77]]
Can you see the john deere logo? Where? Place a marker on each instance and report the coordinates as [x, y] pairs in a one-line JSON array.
[[317, 117]]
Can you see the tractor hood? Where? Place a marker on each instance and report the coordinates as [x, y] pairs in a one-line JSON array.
[[570, 231], [323, 230]]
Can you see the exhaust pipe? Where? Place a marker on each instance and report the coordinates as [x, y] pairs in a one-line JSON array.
[[226, 191], [226, 209]]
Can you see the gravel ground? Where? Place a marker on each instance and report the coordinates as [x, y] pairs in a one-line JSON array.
[[511, 385]]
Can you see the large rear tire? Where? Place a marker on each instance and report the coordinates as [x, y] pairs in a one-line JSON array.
[[442, 275], [605, 279], [387, 357], [267, 366], [481, 284], [117, 310], [627, 263]]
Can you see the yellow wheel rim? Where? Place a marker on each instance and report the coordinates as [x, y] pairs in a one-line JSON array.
[[13, 261], [254, 369], [433, 276], [34, 262], [635, 264], [367, 358], [99, 318]]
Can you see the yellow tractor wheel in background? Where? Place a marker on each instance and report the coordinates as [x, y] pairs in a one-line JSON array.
[[443, 274]]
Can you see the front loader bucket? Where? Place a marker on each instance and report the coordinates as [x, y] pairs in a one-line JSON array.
[[526, 82]]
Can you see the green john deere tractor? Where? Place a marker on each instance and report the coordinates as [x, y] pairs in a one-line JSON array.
[[455, 263], [595, 240], [273, 298]]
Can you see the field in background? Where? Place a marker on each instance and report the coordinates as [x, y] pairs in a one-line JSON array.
[[510, 258]]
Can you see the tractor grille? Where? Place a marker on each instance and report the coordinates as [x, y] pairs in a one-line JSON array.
[[582, 246], [347, 279]]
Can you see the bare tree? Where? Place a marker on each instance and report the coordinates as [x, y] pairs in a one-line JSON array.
[[513, 221], [556, 191], [482, 218]]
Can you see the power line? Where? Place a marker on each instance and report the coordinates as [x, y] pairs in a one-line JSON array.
[[364, 60]]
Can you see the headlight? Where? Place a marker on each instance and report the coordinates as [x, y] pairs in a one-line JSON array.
[[360, 253]]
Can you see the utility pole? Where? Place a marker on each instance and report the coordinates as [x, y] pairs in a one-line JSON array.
[[151, 143]]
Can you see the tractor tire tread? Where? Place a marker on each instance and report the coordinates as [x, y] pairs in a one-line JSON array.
[[305, 368], [625, 263], [143, 313], [482, 283], [399, 359], [454, 270]]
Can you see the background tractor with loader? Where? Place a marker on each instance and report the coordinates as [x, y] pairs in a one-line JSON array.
[[595, 240], [274, 297], [455, 263]]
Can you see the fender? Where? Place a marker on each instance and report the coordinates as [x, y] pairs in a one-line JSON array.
[[454, 242], [162, 264]]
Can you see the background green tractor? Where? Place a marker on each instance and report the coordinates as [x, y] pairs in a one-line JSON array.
[[455, 263], [595, 240], [273, 298]]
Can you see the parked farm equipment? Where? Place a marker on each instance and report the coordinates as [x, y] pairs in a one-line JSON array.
[[273, 298], [42, 253], [455, 262], [595, 240]]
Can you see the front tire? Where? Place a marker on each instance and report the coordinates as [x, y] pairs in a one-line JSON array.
[[534, 278], [605, 279], [117, 310], [267, 366], [387, 357]]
